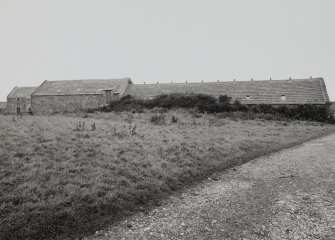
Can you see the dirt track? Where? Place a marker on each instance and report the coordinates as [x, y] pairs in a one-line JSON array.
[[287, 195]]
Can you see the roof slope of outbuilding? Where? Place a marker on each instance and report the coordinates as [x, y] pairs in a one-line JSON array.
[[22, 92], [3, 105], [297, 91], [78, 87]]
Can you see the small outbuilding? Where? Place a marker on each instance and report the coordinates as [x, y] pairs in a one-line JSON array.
[[3, 107], [19, 100], [76, 95]]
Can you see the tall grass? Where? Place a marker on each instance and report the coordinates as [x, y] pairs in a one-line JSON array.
[[56, 182]]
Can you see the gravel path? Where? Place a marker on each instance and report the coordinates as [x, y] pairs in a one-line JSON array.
[[287, 195]]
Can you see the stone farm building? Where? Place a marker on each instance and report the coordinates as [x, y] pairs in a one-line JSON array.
[[3, 107], [74, 95], [19, 100], [279, 92]]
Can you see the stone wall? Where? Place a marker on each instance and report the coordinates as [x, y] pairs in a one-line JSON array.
[[3, 107], [332, 108], [66, 103], [23, 103]]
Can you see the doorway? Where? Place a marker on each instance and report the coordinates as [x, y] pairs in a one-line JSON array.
[[108, 96]]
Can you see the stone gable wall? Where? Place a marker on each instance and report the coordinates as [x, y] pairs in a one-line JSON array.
[[23, 103], [71, 103]]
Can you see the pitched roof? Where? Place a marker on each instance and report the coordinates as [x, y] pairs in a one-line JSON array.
[[3, 105], [298, 91], [75, 87], [22, 92]]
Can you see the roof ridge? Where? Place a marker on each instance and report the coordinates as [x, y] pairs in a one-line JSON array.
[[88, 79], [80, 86], [239, 81]]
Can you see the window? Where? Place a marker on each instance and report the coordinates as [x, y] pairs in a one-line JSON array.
[[248, 97], [283, 97], [18, 99]]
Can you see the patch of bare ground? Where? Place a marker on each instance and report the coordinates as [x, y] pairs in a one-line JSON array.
[[61, 178], [286, 195]]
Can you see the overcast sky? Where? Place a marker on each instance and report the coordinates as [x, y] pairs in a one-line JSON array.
[[164, 41]]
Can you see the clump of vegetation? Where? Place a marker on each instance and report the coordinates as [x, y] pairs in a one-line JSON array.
[[158, 119], [80, 127], [174, 119], [208, 104], [132, 129], [93, 127]]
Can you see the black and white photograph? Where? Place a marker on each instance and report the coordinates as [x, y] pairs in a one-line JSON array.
[[167, 120]]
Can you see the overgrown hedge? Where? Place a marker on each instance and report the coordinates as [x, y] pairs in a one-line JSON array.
[[207, 103]]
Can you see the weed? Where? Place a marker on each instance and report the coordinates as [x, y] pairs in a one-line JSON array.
[[93, 127], [174, 119], [158, 119], [132, 129], [130, 118], [80, 127]]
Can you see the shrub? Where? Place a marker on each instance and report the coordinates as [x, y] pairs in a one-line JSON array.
[[207, 103], [224, 99], [158, 119], [174, 119]]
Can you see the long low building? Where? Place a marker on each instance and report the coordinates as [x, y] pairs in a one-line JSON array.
[[76, 95], [297, 91]]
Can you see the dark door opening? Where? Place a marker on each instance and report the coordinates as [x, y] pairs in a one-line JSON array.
[[108, 96]]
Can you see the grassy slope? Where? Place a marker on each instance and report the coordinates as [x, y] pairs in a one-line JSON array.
[[56, 182]]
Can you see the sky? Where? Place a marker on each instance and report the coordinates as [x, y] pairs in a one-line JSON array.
[[162, 41]]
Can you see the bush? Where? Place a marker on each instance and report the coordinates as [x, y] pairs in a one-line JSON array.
[[224, 99], [158, 119], [206, 103], [174, 119]]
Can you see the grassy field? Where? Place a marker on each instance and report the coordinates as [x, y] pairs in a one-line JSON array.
[[57, 181]]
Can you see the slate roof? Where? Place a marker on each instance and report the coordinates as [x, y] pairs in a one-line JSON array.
[[77, 87], [297, 91], [3, 105], [22, 92]]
